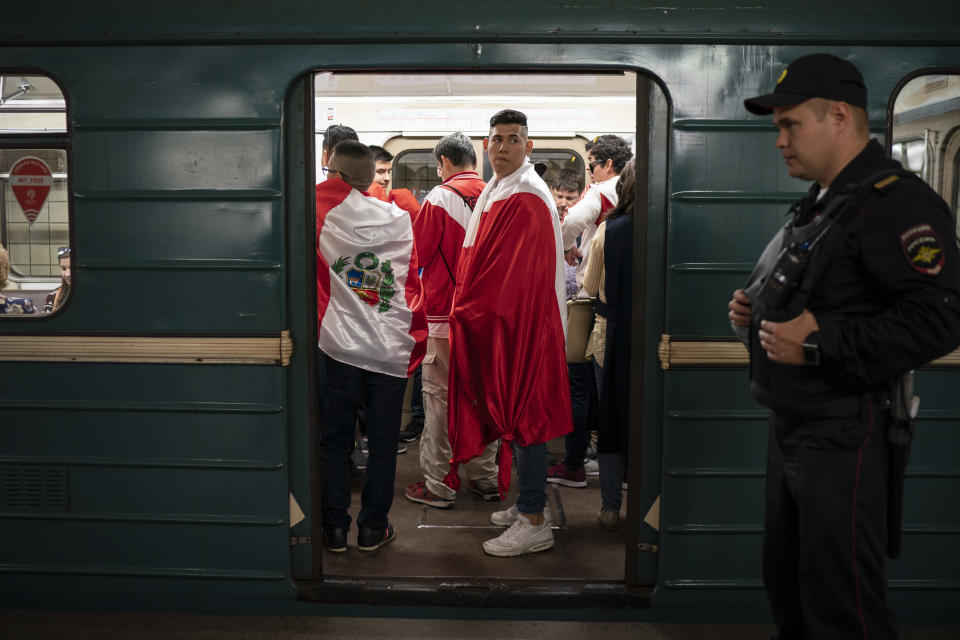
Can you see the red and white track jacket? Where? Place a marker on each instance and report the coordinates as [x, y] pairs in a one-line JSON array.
[[438, 231], [583, 218]]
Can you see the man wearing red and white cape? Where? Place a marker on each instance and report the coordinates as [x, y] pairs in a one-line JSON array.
[[372, 335], [507, 358]]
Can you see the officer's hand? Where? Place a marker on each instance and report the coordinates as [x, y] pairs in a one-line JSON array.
[[783, 341], [739, 309], [572, 256]]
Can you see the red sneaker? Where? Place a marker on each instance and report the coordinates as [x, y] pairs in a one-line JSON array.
[[418, 492], [560, 474]]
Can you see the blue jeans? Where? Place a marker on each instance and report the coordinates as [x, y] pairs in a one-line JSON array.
[[583, 403], [532, 477], [341, 387]]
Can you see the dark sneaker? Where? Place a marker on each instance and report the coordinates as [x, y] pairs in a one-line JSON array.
[[412, 431], [489, 494], [401, 448], [418, 492], [369, 539], [560, 474], [609, 519], [335, 539], [359, 459]]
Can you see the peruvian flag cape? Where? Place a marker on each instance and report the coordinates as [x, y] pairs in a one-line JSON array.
[[369, 297], [508, 369]]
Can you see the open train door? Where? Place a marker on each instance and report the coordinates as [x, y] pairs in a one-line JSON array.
[[625, 102]]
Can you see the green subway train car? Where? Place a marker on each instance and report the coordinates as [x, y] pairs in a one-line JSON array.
[[159, 423]]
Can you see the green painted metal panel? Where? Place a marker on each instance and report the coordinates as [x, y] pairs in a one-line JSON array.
[[717, 443], [721, 233], [713, 557], [225, 300], [212, 20], [122, 163], [140, 435], [697, 302], [696, 503], [102, 548], [170, 230]]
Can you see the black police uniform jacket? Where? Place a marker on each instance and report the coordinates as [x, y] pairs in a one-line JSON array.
[[887, 299]]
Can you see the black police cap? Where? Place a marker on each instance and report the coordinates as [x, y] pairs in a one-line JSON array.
[[819, 75]]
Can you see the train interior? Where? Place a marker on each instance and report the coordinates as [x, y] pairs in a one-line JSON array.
[[407, 115]]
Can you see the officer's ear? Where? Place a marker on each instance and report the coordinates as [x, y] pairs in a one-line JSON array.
[[841, 115]]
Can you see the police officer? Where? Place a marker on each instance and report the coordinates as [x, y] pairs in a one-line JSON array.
[[862, 284]]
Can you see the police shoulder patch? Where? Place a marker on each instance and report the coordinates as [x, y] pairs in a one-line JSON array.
[[923, 249]]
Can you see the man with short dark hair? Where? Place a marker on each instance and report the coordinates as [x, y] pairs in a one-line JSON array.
[[606, 158], [566, 188], [861, 286], [372, 335], [383, 167], [507, 335], [380, 187], [439, 230], [335, 134]]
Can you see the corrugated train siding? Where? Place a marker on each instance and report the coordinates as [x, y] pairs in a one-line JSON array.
[[177, 474]]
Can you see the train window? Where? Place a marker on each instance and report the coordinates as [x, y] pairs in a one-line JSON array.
[[34, 195], [416, 169], [557, 160], [926, 133], [910, 155]]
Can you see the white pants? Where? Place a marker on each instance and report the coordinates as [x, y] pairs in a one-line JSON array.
[[435, 449]]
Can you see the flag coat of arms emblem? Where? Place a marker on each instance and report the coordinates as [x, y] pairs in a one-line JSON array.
[[369, 297]]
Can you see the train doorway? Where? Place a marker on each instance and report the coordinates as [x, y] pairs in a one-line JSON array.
[[406, 115]]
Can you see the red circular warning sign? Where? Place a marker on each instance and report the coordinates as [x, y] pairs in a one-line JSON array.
[[30, 179]]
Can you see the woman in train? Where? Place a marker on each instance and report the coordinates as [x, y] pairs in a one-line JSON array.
[[10, 305], [608, 276], [56, 297]]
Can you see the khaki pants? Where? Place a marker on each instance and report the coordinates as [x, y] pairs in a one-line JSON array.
[[435, 450]]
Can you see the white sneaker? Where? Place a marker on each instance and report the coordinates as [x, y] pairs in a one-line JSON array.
[[591, 467], [506, 517], [522, 537]]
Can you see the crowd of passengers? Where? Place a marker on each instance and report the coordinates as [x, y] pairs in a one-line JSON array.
[[468, 292]]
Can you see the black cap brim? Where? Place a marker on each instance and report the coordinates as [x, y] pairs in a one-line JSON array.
[[764, 105]]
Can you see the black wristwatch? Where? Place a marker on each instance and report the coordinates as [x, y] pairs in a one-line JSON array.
[[811, 349]]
